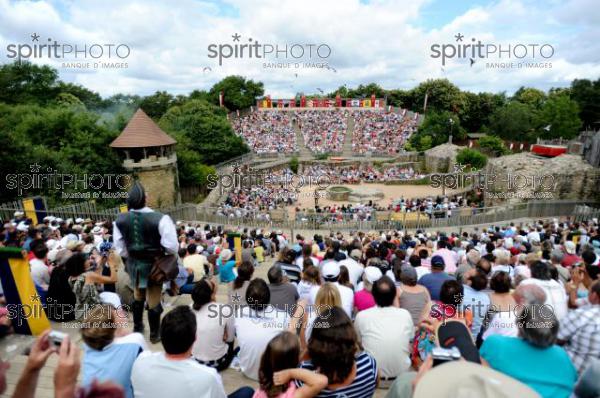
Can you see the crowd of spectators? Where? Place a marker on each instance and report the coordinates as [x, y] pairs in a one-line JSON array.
[[381, 132], [323, 131], [336, 316], [267, 131]]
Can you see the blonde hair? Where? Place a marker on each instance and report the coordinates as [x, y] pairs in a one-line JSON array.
[[328, 295]]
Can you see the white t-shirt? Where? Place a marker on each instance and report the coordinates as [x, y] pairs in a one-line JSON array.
[[307, 291], [210, 329], [254, 331], [300, 261], [355, 270], [39, 273], [346, 294], [556, 297], [153, 375], [386, 333], [422, 271]]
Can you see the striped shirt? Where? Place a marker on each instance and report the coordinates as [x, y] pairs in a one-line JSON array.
[[292, 271], [363, 385]]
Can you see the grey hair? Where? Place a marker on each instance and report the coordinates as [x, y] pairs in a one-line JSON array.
[[556, 256], [538, 325], [529, 294]]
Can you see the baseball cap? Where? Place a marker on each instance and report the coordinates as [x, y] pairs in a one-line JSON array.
[[455, 334], [437, 260], [331, 269], [372, 274], [462, 379]]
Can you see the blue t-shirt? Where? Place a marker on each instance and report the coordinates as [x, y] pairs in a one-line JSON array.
[[433, 282], [226, 270], [113, 363], [549, 371]]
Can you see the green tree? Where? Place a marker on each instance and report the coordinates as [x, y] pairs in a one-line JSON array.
[[493, 145], [24, 82], [437, 126], [90, 99], [530, 96], [203, 128], [515, 121], [238, 93], [587, 95], [157, 104], [442, 95], [560, 117], [472, 158], [478, 110]]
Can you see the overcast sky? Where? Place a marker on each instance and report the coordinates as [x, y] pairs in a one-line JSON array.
[[383, 41]]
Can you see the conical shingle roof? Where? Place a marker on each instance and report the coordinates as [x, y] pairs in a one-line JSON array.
[[142, 132]]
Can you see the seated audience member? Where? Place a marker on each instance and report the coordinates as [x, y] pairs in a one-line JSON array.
[[434, 280], [533, 358], [355, 269], [83, 278], [334, 351], [237, 289], [226, 265], [279, 369], [412, 297], [106, 357], [450, 257], [331, 273], [458, 379], [174, 372], [194, 262], [40, 272], [284, 294], [578, 331], [306, 255], [310, 284], [214, 335], [328, 297], [344, 278], [415, 262], [504, 321], [363, 299], [287, 263], [475, 299], [556, 297], [256, 326], [373, 326]]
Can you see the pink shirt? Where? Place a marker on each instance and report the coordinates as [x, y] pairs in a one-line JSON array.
[[289, 393], [363, 299], [449, 259]]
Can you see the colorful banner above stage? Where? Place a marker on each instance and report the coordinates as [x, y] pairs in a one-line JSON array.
[[337, 102]]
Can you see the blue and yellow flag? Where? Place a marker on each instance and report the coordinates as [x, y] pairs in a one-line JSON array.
[[25, 307]]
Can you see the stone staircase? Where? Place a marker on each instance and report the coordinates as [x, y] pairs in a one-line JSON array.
[[347, 148], [303, 150]]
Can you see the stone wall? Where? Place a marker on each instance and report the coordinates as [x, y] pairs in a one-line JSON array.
[[563, 177], [441, 159], [160, 185]]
